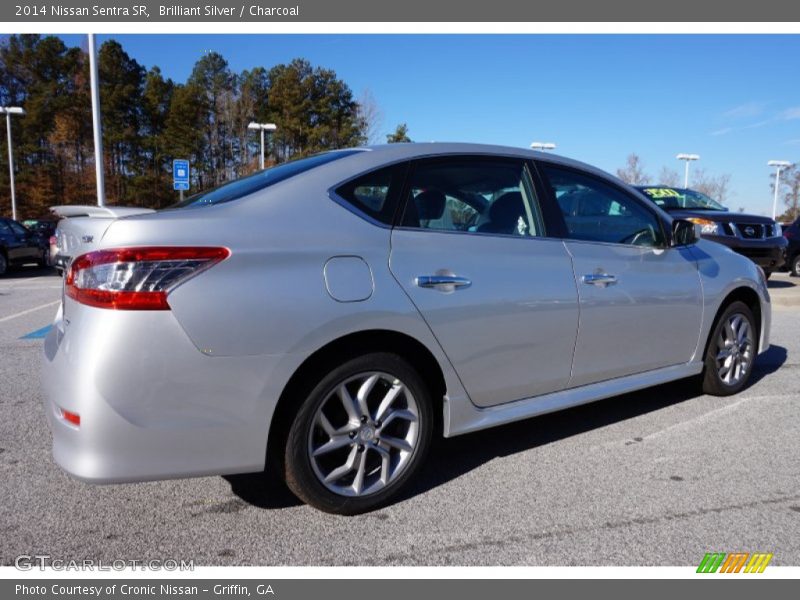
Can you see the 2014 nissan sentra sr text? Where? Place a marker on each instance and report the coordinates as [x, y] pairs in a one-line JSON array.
[[328, 316]]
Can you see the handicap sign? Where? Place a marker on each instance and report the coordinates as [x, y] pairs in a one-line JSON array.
[[180, 174]]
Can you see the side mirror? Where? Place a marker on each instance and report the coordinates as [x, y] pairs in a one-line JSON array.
[[683, 233]]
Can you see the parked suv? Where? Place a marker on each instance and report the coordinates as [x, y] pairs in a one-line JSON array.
[[792, 235], [757, 238]]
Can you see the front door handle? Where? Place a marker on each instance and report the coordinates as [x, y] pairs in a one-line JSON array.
[[599, 279], [444, 283]]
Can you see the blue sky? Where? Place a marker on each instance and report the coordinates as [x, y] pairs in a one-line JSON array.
[[734, 100]]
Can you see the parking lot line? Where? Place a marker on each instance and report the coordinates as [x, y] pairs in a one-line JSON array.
[[30, 310]]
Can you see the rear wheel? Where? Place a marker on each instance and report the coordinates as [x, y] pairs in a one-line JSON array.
[[360, 435], [3, 264], [731, 351], [767, 273]]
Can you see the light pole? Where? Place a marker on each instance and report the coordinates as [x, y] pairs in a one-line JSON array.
[[779, 166], [262, 127], [688, 158], [543, 146], [8, 111], [97, 123]]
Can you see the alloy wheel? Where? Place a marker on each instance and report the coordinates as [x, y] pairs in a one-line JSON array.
[[734, 349], [364, 434]]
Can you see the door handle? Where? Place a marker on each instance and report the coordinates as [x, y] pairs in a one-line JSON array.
[[444, 282], [599, 279]]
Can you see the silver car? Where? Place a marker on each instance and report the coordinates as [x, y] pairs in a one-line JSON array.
[[328, 317]]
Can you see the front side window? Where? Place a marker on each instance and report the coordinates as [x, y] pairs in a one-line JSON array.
[[598, 212], [473, 195]]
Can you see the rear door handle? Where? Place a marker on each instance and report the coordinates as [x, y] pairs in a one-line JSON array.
[[599, 279], [442, 282]]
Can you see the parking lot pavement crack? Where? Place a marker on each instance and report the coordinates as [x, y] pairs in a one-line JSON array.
[[488, 543]]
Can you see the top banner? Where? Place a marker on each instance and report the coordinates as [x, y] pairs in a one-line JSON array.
[[468, 11]]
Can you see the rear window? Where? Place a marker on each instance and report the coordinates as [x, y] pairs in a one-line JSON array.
[[245, 186]]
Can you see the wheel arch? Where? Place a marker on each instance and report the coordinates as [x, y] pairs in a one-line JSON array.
[[750, 298], [334, 353]]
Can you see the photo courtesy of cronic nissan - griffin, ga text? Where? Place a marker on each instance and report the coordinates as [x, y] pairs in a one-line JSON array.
[[326, 318]]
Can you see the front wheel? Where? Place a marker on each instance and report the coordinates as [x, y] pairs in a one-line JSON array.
[[794, 266], [731, 351], [360, 435]]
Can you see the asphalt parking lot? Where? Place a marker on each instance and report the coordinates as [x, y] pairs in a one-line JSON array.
[[658, 477]]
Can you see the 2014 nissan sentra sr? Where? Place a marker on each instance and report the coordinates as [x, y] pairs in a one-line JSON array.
[[327, 317]]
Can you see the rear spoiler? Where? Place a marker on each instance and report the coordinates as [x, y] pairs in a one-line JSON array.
[[103, 212]]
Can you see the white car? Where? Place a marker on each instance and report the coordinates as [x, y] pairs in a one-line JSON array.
[[329, 316], [80, 227]]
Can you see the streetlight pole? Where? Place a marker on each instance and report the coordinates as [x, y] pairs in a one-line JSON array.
[[779, 165], [262, 127], [543, 146], [8, 111], [687, 158], [97, 124]]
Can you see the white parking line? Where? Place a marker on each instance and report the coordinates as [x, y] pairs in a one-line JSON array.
[[30, 310]]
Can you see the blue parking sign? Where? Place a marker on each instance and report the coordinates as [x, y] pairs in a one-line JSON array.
[[180, 174]]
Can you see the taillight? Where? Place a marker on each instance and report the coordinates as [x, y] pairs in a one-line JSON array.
[[53, 240], [136, 278]]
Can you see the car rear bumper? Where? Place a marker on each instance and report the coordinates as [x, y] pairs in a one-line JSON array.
[[768, 254], [151, 405]]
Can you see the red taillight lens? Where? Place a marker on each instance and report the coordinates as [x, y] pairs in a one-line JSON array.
[[136, 278], [53, 240]]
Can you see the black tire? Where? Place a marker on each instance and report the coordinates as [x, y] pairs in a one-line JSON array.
[[767, 273], [794, 266], [3, 264], [713, 382], [299, 473]]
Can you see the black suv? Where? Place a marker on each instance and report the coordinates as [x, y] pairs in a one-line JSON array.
[[792, 234], [19, 245], [757, 238]]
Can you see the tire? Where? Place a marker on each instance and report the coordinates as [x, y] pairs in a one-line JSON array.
[[735, 323], [3, 264], [374, 459], [767, 273], [42, 262], [794, 266]]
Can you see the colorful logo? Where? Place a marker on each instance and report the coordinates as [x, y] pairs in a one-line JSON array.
[[736, 562]]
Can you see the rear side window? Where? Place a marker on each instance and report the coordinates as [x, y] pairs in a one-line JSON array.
[[262, 179], [473, 195], [375, 194]]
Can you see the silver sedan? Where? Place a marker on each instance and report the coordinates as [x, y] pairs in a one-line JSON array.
[[326, 318]]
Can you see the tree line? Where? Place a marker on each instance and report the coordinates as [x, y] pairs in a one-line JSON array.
[[149, 119]]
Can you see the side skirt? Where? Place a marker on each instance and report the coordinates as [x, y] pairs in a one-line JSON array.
[[464, 417]]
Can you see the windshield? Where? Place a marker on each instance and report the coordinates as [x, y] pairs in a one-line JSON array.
[[239, 188], [679, 199]]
